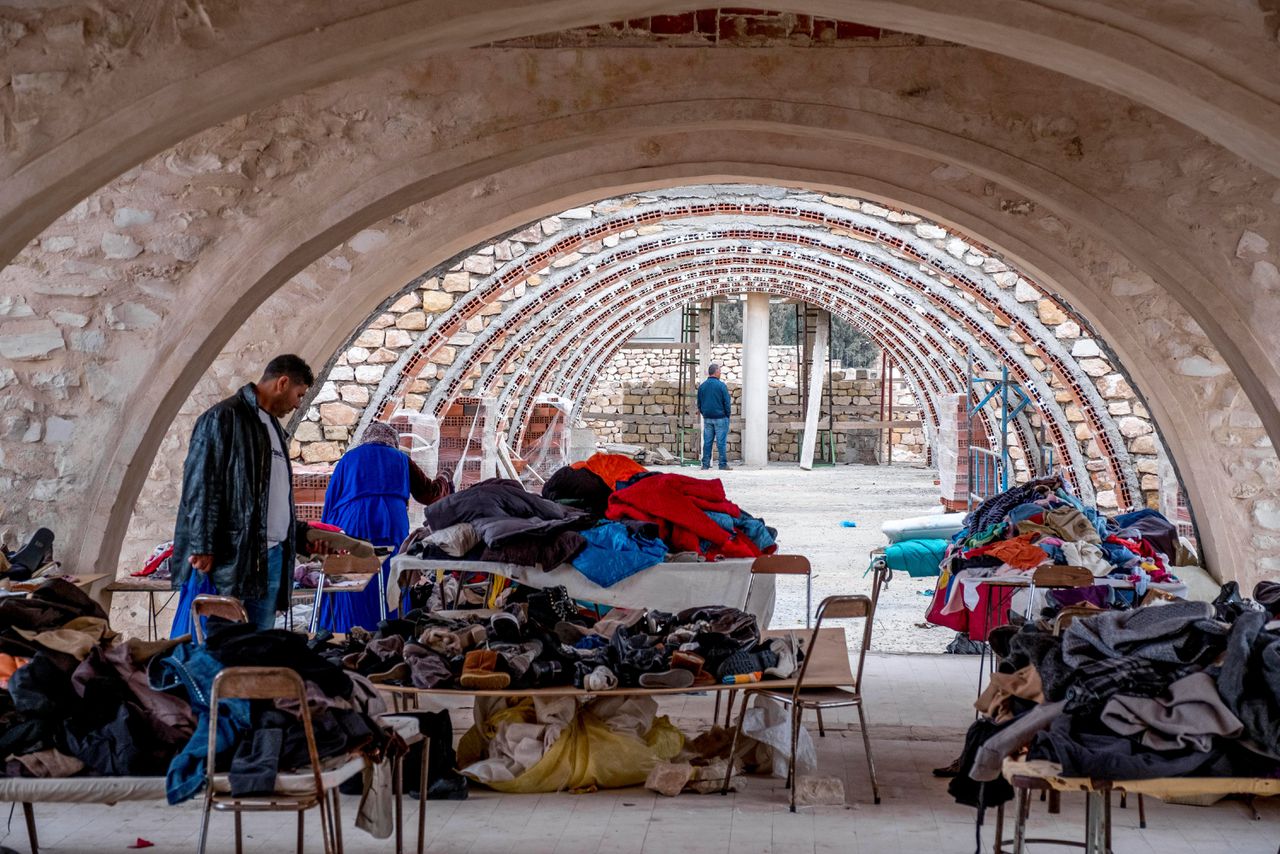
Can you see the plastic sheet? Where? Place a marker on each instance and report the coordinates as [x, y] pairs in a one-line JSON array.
[[769, 722], [546, 452], [524, 745], [952, 477]]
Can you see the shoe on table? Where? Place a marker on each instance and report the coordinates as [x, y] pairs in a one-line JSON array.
[[675, 678], [480, 671]]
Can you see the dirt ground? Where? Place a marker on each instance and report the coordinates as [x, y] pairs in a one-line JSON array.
[[807, 508]]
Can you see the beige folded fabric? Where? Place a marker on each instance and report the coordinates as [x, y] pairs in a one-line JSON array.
[[76, 638]]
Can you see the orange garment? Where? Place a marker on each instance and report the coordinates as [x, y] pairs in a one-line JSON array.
[[1019, 553], [8, 666], [611, 468]]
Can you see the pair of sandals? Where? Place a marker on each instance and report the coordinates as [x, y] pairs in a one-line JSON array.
[[32, 558]]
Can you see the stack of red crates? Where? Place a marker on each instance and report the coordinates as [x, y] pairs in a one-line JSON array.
[[309, 486]]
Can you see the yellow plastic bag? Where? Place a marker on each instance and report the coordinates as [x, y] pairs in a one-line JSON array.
[[587, 755]]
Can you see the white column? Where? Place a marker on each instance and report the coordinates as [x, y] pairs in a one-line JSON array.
[[755, 380], [817, 378]]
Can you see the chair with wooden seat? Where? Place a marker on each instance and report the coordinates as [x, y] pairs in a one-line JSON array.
[[801, 698], [315, 786], [774, 564], [208, 605]]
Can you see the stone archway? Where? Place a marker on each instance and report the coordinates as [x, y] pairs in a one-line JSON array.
[[1100, 245], [128, 84]]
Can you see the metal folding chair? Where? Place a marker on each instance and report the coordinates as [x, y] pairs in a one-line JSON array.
[[800, 698], [208, 605], [296, 792], [772, 565]]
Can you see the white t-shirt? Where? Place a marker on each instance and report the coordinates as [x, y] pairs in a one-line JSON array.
[[279, 490]]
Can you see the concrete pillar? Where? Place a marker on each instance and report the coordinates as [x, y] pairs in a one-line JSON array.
[[755, 380]]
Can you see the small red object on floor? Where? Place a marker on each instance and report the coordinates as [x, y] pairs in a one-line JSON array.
[[142, 843]]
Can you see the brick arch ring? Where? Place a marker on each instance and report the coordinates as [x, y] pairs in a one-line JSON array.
[[504, 322]]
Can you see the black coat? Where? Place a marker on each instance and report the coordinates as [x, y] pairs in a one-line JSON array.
[[500, 509], [223, 511]]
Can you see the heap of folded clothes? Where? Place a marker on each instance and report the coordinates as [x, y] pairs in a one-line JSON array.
[[542, 640], [1170, 690], [1041, 523], [76, 699], [608, 516]]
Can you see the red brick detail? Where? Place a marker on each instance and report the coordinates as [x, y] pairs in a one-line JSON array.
[[673, 25]]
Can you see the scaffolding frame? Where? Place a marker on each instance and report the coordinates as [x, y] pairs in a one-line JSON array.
[[990, 470], [688, 429], [885, 436]]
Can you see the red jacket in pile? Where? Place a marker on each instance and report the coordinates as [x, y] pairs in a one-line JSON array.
[[675, 504]]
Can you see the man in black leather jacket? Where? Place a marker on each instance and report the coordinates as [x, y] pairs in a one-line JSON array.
[[236, 520]]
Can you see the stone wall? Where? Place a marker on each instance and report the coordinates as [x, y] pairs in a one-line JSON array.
[[644, 363], [644, 412]]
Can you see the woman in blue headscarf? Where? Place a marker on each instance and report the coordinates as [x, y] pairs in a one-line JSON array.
[[368, 498]]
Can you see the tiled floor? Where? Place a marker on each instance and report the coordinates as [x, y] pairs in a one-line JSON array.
[[918, 707]]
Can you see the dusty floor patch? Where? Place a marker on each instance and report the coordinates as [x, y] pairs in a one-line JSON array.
[[807, 509]]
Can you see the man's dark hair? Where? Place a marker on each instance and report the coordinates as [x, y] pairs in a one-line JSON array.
[[290, 366]]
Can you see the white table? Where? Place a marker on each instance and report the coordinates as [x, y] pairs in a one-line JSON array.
[[665, 586]]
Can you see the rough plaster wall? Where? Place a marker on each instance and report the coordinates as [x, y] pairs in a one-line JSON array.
[[134, 70], [257, 174]]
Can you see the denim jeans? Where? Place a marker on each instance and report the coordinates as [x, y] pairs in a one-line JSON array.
[[715, 429], [262, 612]]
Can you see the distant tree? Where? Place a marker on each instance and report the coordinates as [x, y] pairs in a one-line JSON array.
[[851, 347], [727, 328], [782, 324]]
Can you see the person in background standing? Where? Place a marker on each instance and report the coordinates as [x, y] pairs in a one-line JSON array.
[[237, 532], [368, 498], [714, 405]]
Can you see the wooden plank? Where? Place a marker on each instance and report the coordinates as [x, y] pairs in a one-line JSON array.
[[828, 669], [659, 345], [817, 374], [704, 339], [844, 426]]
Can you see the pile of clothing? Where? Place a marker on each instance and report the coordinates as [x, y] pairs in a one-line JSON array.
[[1041, 523], [498, 520], [1170, 690], [540, 640], [77, 699], [689, 514], [608, 516]]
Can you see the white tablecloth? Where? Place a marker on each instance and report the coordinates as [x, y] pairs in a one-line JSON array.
[[666, 586]]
